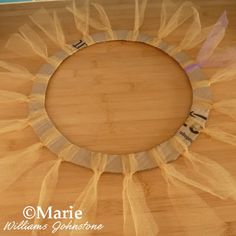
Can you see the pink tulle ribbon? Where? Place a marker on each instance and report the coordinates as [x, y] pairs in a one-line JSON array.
[[205, 57]]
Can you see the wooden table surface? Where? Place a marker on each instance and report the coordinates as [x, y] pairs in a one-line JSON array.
[[115, 97]]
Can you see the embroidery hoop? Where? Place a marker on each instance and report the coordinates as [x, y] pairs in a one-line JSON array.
[[200, 172], [55, 141]]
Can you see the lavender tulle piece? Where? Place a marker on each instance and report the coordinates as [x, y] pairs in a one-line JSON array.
[[214, 38], [191, 67]]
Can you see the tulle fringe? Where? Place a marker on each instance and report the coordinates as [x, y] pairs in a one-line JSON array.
[[9, 96], [51, 26], [13, 125], [226, 107], [47, 189], [81, 18], [194, 35], [220, 135], [87, 200], [202, 173], [225, 74], [208, 175], [138, 18], [221, 75], [103, 23], [138, 219], [17, 163], [29, 43], [194, 215], [15, 71], [169, 24]]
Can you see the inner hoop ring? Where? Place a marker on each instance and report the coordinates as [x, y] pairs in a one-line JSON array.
[[56, 142]]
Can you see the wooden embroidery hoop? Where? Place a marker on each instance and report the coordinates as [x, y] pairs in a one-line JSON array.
[[55, 141]]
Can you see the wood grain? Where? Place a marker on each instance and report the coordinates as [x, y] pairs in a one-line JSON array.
[[114, 102], [116, 97]]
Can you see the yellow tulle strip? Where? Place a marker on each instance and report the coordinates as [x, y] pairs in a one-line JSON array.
[[16, 163], [217, 177], [169, 24], [87, 200], [29, 40], [83, 20], [220, 135], [206, 174], [13, 125], [47, 189], [138, 219], [192, 213], [81, 17], [139, 17], [18, 44], [221, 75], [9, 96], [34, 40], [51, 26], [14, 71], [225, 74], [103, 23], [226, 107], [194, 35], [29, 43]]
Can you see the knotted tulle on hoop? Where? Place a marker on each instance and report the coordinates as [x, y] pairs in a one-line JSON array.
[[10, 125], [169, 24], [194, 35], [83, 20], [29, 43], [204, 173], [13, 125], [11, 70], [213, 132], [224, 74], [220, 135], [194, 215], [81, 17], [103, 23], [9, 96], [226, 107], [29, 40], [138, 219], [138, 18], [200, 172], [51, 26], [221, 75]]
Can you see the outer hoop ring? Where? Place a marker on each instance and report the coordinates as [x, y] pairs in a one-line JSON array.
[[54, 140]]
